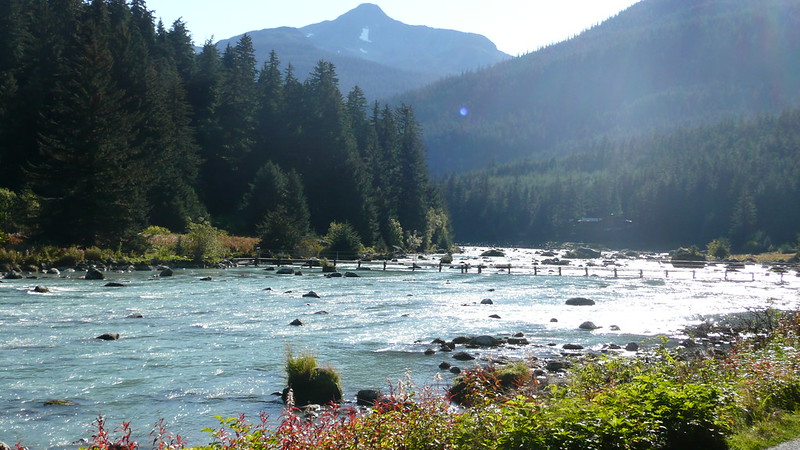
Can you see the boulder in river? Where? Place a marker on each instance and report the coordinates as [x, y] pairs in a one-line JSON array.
[[580, 301], [108, 336], [311, 294], [41, 289], [285, 271], [485, 341], [94, 274], [463, 356], [487, 301], [113, 284], [632, 347], [588, 326], [351, 275], [167, 272], [297, 323], [572, 347]]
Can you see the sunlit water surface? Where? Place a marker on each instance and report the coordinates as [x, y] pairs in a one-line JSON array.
[[206, 348]]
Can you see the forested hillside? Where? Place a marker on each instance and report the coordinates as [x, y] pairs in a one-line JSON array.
[[110, 123], [733, 180], [659, 65]]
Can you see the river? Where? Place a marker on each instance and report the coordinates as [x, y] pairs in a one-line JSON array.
[[217, 347]]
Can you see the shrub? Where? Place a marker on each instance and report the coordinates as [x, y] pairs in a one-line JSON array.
[[93, 254], [342, 241], [309, 383], [68, 257], [719, 248], [203, 242]]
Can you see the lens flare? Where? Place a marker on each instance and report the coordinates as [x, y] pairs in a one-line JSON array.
[[463, 111]]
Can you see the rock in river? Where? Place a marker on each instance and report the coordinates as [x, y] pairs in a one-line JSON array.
[[108, 336], [588, 326], [580, 301], [463, 356], [94, 274]]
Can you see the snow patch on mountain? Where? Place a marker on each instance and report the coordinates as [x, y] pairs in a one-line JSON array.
[[365, 35]]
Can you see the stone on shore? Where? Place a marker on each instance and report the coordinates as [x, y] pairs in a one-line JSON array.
[[368, 397]]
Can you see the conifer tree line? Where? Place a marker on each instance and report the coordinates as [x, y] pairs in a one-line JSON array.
[[737, 180], [110, 122]]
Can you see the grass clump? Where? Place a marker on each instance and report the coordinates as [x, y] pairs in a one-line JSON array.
[[310, 384]]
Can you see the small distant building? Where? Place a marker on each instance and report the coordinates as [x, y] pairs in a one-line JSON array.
[[601, 229]]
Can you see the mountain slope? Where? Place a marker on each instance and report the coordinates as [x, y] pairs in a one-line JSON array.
[[367, 32], [379, 54], [661, 64]]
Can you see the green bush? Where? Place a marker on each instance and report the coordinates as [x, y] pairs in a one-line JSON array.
[[309, 383], [68, 257], [342, 241], [202, 243]]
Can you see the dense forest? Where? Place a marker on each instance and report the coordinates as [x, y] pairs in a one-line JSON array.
[[110, 123], [738, 180], [659, 65]]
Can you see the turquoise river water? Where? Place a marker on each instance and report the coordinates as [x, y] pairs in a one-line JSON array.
[[205, 348]]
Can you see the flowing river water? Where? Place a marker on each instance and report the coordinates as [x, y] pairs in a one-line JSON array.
[[205, 348]]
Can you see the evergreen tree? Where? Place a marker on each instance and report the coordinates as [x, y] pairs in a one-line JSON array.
[[226, 172], [271, 128], [275, 208], [337, 181], [89, 174], [413, 202]]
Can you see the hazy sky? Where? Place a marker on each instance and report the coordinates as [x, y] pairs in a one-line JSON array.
[[515, 26]]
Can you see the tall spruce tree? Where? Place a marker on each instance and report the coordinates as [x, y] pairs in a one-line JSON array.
[[337, 181], [89, 173], [226, 173], [413, 202]]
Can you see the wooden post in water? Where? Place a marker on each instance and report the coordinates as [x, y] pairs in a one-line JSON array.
[[752, 277], [509, 269], [694, 275], [535, 270], [615, 272], [440, 266], [726, 274], [359, 264], [586, 271], [559, 271], [480, 268], [666, 274]]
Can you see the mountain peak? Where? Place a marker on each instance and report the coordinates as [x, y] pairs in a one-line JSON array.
[[365, 13], [366, 9]]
